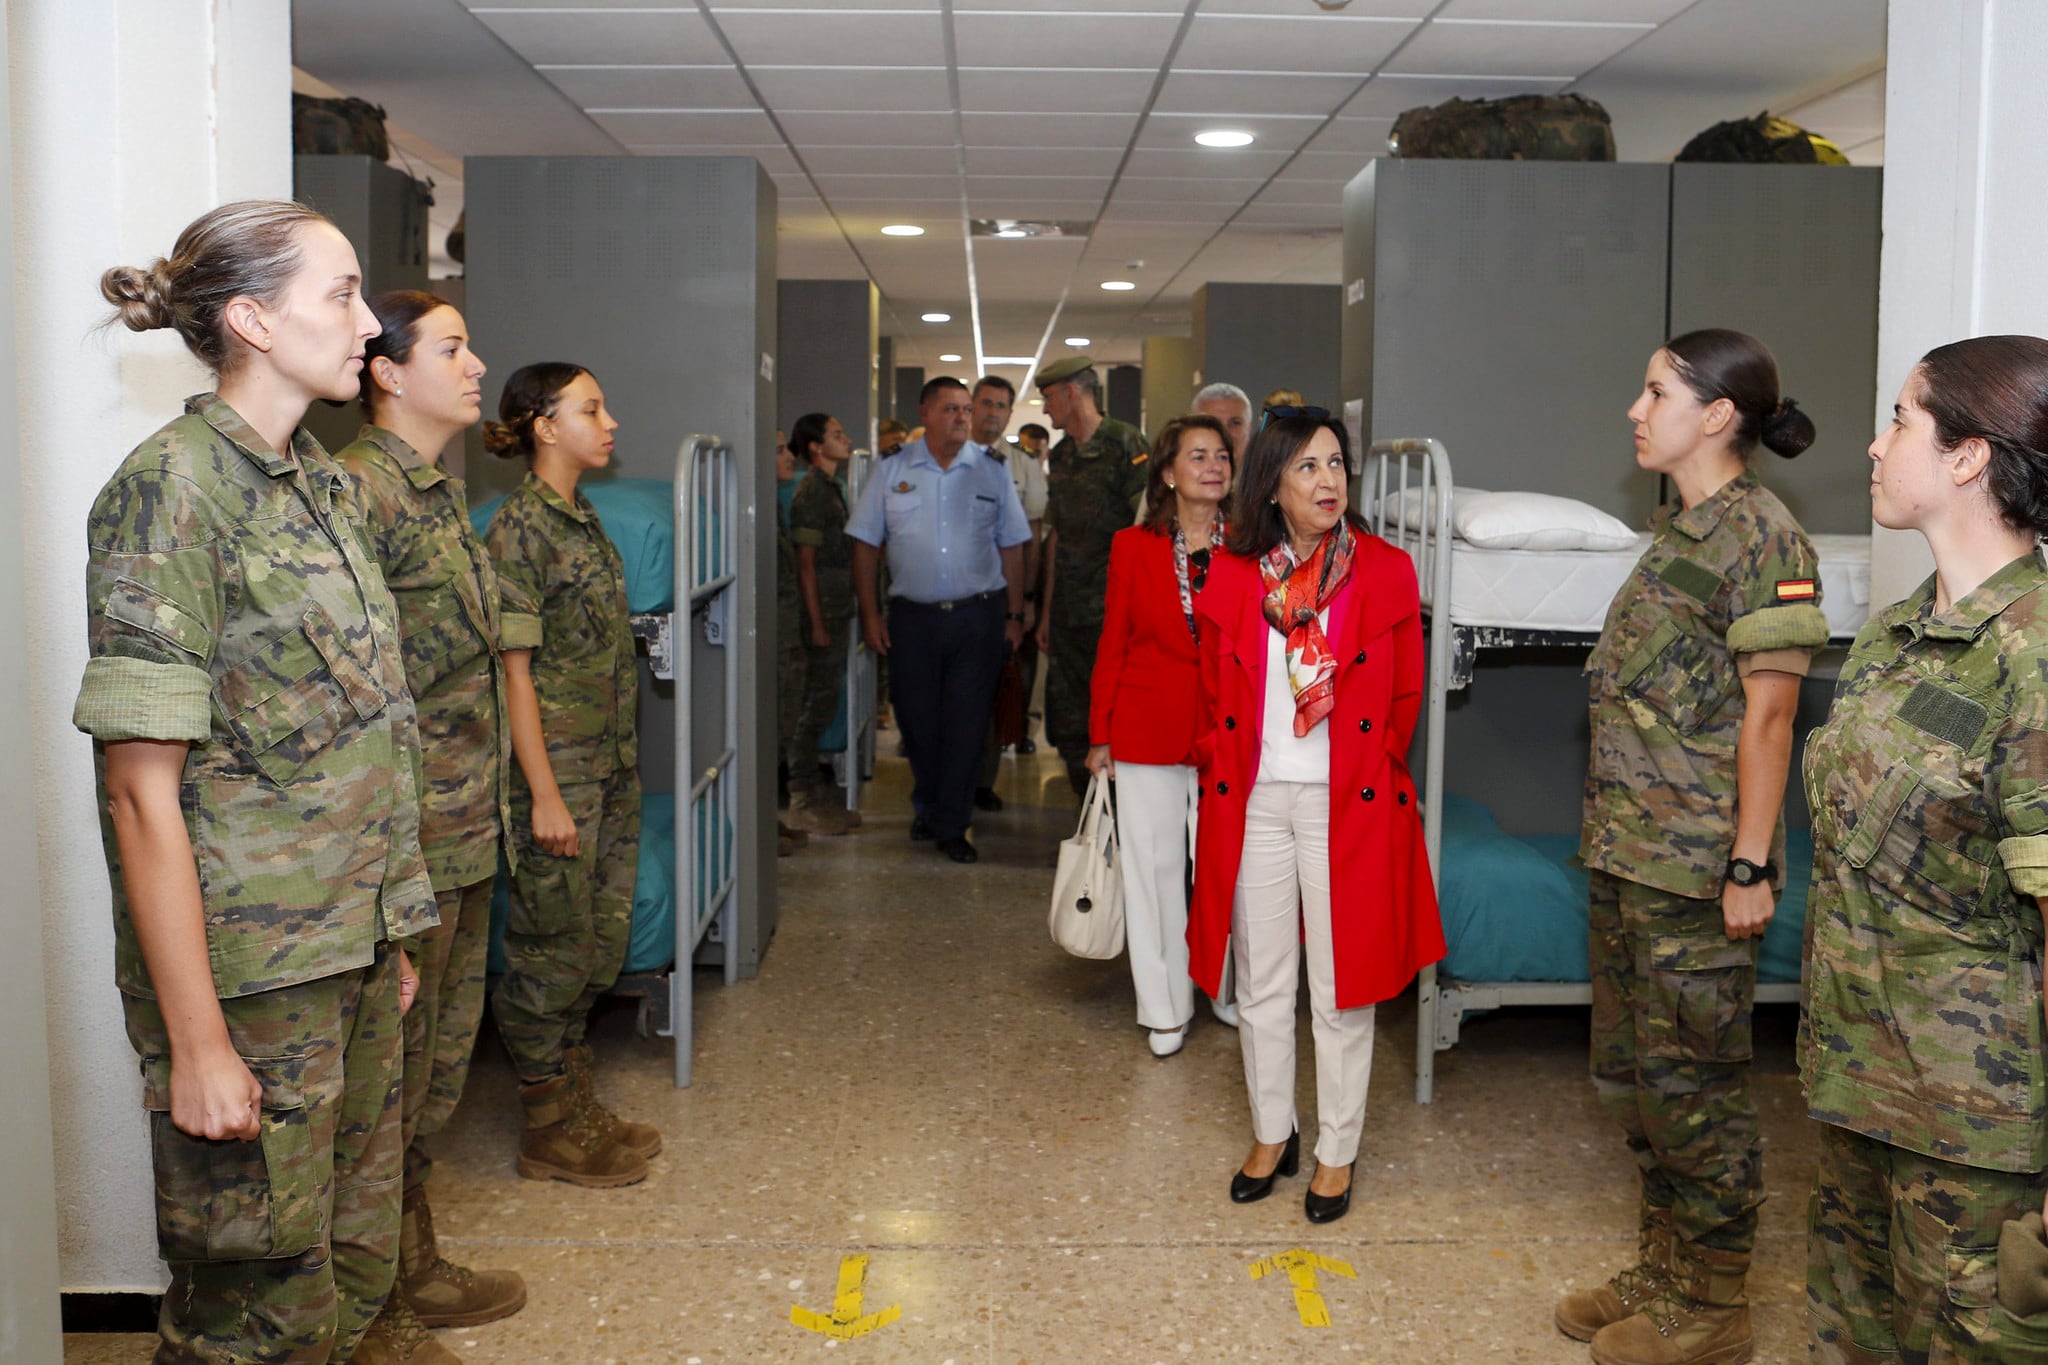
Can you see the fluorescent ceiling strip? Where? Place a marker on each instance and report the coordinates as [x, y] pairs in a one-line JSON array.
[[960, 167]]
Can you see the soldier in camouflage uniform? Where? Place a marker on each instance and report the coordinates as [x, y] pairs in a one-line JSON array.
[[1096, 478], [789, 648], [1693, 687], [824, 572], [420, 390], [1922, 1044], [255, 750], [572, 690]]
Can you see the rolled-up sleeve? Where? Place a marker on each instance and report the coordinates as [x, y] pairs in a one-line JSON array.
[[2021, 759], [520, 591]]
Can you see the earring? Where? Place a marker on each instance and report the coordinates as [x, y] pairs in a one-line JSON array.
[[1169, 488], [398, 393]]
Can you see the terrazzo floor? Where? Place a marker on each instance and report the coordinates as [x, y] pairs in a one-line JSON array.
[[920, 1076]]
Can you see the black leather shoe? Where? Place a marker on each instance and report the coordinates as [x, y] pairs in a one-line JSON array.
[[1327, 1208], [920, 832], [1247, 1189], [985, 798], [959, 850]]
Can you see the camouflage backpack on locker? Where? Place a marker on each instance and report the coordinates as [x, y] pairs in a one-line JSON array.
[[1518, 128], [344, 127], [1763, 139]]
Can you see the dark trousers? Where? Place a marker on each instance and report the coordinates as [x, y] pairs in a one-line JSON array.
[[942, 681]]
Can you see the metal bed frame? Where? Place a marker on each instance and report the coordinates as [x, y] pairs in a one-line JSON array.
[[1395, 468], [856, 763]]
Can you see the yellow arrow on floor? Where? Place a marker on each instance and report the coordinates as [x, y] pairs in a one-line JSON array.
[[1301, 1267], [846, 1321]]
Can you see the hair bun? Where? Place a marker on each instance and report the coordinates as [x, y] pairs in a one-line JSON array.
[[1787, 431], [143, 297], [502, 440]]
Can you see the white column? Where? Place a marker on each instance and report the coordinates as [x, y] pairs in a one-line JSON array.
[[130, 118], [1965, 195]]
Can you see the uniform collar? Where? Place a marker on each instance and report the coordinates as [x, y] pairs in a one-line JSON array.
[[1966, 619], [919, 455], [1702, 519], [420, 471], [212, 409], [580, 509]]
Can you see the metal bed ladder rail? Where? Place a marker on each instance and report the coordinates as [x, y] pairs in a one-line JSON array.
[[707, 515], [858, 760], [1424, 466]]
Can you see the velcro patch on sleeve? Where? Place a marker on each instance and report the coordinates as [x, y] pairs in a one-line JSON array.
[[1695, 580], [1943, 714], [1795, 590]]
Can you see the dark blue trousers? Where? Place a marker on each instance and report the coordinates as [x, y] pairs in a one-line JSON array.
[[943, 668]]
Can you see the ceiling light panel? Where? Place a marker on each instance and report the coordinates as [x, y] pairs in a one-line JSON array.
[[1205, 92], [1001, 90], [1086, 39], [854, 37], [667, 87], [1274, 132], [1335, 44], [1502, 49], [852, 89], [616, 38]]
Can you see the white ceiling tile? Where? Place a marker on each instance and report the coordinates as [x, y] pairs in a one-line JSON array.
[[987, 89], [869, 130], [1870, 153], [1335, 166], [1124, 209], [1231, 163], [1334, 43], [851, 36], [667, 36], [1505, 49], [1264, 214], [1388, 96], [1172, 7], [880, 160], [839, 88], [1273, 131], [1197, 190], [1058, 162], [925, 188], [1327, 193], [1355, 137], [1295, 10], [1567, 11], [1052, 128], [1000, 203], [776, 160], [481, 7], [1083, 39], [726, 128], [641, 87], [1218, 94], [721, 6]]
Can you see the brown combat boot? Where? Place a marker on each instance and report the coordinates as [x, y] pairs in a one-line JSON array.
[[1583, 1312], [1701, 1317], [397, 1337], [562, 1143], [642, 1139], [819, 814], [441, 1293]]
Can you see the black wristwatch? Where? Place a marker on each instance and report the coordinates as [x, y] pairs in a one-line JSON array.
[[1743, 872], [1013, 616]]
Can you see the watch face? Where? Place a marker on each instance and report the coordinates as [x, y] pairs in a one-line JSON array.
[[1742, 874]]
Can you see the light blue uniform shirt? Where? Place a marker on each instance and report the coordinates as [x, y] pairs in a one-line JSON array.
[[943, 531]]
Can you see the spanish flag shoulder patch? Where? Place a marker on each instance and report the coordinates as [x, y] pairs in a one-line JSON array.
[[1795, 590], [1141, 457]]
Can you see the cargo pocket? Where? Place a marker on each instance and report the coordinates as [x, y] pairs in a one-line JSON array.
[[1933, 852], [1675, 676], [236, 1200], [1699, 1001], [295, 695], [550, 895]]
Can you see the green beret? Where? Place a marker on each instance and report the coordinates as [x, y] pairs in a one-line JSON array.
[[1062, 370]]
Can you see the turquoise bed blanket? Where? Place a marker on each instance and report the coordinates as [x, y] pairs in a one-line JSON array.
[[639, 516], [1514, 906]]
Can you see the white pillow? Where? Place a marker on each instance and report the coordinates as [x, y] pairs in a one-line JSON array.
[[1406, 509], [1538, 521]]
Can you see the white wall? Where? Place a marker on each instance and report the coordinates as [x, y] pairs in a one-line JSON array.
[[1965, 197], [130, 118]]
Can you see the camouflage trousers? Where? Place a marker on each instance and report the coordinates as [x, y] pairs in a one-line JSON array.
[[789, 669], [570, 921], [1902, 1257], [817, 684], [1069, 672], [1672, 998], [440, 1028], [282, 1248]]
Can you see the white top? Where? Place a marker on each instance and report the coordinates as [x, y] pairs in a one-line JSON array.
[[1282, 756], [1026, 474]]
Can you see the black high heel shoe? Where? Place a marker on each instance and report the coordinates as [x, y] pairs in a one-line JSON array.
[[1249, 1189], [1328, 1208]]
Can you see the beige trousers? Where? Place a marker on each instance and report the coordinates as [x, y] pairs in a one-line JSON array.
[[1283, 904], [1152, 805]]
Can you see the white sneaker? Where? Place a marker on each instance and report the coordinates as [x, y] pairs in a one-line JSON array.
[[1225, 1011], [1166, 1044]]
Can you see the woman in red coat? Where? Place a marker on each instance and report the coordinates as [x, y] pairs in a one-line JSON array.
[[1310, 835], [1145, 695]]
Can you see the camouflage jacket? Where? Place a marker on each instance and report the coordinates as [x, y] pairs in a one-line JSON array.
[[817, 518], [447, 595], [1092, 492], [1726, 586], [563, 591], [1929, 787], [234, 605]]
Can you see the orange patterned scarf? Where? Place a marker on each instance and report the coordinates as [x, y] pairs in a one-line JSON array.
[[1294, 594]]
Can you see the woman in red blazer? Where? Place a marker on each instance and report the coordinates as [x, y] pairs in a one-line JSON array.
[[1144, 700], [1310, 835]]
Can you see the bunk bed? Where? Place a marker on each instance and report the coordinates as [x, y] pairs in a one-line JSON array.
[[1515, 906]]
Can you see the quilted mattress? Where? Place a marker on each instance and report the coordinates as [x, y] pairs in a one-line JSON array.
[[1569, 590]]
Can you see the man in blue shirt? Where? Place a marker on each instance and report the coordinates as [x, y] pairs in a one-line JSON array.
[[949, 519]]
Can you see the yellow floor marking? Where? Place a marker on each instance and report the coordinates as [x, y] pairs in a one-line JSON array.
[[846, 1321], [1301, 1267]]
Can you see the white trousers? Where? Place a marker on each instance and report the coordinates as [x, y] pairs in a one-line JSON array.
[[1283, 898], [1153, 802]]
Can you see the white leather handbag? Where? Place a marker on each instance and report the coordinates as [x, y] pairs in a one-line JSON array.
[[1087, 917]]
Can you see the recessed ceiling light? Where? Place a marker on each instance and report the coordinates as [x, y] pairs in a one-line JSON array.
[[1224, 137], [938, 317], [1077, 341], [1038, 402], [1118, 286], [903, 230], [948, 359]]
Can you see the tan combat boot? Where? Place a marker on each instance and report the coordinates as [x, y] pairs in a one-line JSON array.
[[562, 1143], [1584, 1312], [397, 1337], [441, 1293], [819, 814], [1701, 1318], [642, 1139]]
